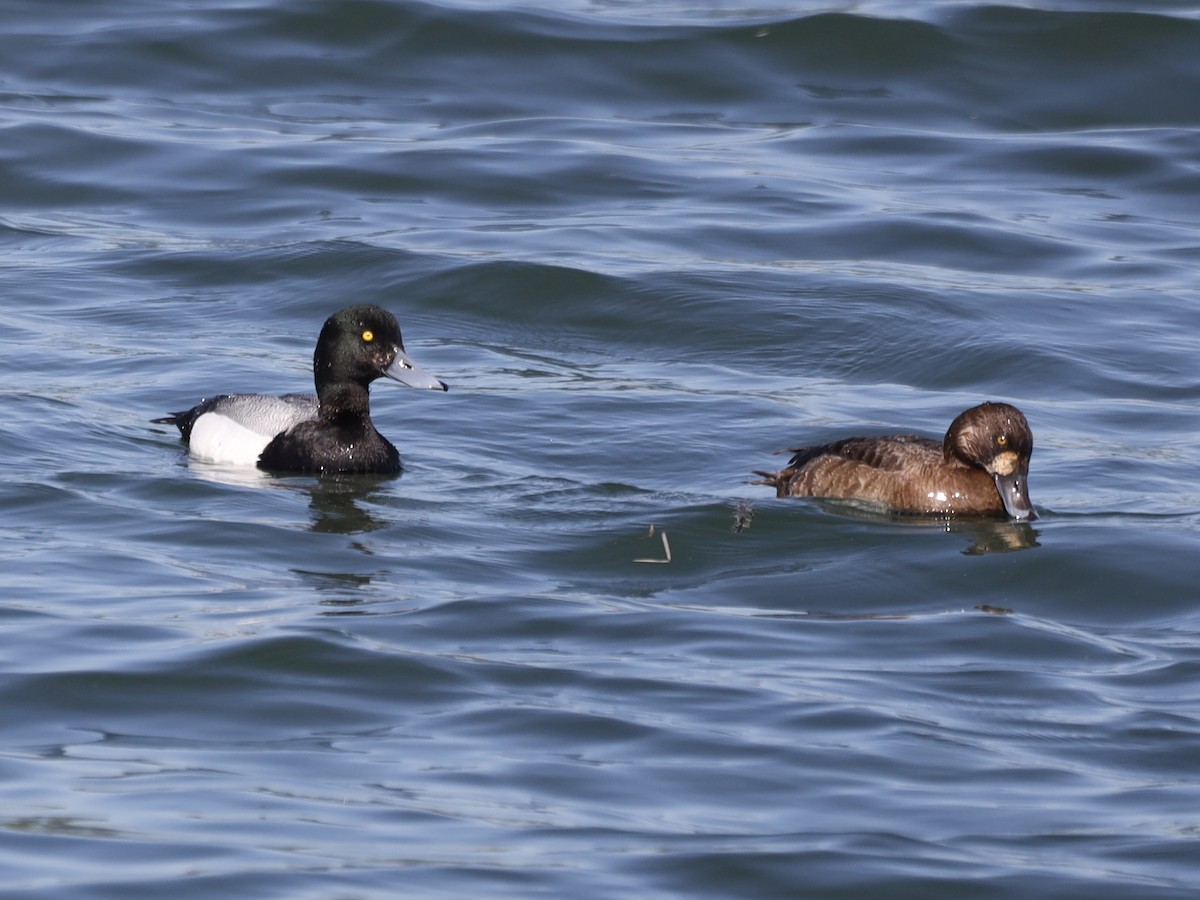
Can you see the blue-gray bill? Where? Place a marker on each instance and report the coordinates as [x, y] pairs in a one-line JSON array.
[[408, 372], [1014, 494]]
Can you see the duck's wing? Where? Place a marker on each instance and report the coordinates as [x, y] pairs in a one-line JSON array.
[[849, 467], [890, 453], [258, 413]]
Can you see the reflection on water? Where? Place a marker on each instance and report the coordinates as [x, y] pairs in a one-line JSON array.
[[996, 537], [986, 535], [233, 476], [338, 503]]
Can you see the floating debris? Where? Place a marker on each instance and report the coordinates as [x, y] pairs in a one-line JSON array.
[[666, 547], [994, 610], [743, 515]]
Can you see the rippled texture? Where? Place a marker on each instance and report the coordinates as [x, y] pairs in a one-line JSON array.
[[572, 651]]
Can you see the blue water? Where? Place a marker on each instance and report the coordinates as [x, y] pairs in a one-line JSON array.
[[572, 651]]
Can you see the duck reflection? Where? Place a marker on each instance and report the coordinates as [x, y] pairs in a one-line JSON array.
[[986, 535], [996, 537], [339, 503], [344, 573], [342, 505]]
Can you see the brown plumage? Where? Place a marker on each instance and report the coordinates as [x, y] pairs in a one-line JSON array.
[[980, 468]]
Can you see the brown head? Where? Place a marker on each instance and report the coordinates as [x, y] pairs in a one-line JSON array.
[[996, 437]]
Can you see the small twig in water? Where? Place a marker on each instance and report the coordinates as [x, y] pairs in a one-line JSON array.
[[666, 548]]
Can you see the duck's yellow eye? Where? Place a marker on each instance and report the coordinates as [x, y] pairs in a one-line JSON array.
[[1002, 440], [368, 335]]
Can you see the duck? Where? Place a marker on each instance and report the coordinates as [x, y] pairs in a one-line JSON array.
[[329, 433], [980, 468]]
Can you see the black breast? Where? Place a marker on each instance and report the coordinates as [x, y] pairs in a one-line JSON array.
[[329, 448]]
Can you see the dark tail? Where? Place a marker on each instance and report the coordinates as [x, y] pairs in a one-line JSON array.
[[185, 419], [770, 479]]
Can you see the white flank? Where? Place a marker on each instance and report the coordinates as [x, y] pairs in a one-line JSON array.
[[219, 439]]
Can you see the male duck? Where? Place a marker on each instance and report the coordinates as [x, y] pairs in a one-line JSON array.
[[330, 433]]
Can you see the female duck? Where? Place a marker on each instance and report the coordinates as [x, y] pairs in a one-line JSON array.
[[330, 433], [981, 468]]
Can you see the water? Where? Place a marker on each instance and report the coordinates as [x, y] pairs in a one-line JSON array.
[[646, 245]]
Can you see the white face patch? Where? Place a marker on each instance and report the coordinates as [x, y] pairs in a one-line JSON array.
[[1004, 464]]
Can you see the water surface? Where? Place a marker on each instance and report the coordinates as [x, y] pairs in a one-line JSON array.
[[646, 246]]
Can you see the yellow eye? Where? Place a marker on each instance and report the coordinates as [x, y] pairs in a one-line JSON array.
[[368, 335], [1002, 440]]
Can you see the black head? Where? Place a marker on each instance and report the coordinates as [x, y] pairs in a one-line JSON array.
[[357, 344], [362, 343], [996, 438]]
